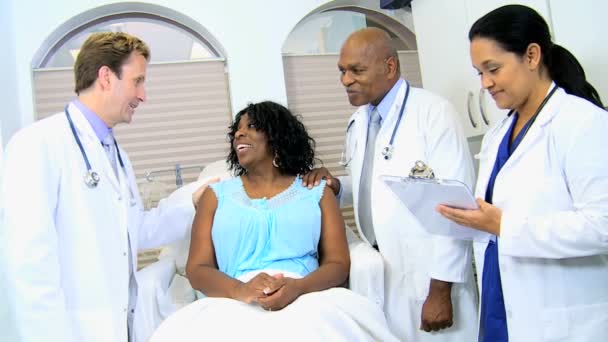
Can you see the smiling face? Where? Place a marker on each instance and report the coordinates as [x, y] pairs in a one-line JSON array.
[[128, 90], [362, 76], [367, 68], [509, 78], [251, 144]]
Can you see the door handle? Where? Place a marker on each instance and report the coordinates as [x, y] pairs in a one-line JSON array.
[[482, 109], [469, 98]]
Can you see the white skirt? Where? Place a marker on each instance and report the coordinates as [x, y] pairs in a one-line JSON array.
[[335, 314]]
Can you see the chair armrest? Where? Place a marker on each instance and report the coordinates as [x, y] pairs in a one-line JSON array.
[[366, 269]]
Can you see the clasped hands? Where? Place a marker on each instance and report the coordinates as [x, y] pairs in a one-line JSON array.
[[272, 293]]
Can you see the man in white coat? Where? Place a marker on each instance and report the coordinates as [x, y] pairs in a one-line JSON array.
[[430, 294], [70, 241]]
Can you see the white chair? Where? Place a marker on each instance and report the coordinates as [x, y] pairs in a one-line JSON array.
[[163, 287]]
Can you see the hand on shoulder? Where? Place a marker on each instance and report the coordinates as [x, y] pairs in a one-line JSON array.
[[315, 176]]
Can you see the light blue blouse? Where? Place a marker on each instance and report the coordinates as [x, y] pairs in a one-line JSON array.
[[280, 233]]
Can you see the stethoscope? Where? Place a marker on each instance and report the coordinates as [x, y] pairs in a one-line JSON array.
[[92, 178], [387, 151]]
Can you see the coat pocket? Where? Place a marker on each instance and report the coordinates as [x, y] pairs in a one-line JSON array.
[[576, 323]]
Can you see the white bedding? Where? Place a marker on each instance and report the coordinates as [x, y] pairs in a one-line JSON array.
[[335, 314]]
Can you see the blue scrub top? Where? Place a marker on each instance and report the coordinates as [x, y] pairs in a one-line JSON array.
[[493, 316]]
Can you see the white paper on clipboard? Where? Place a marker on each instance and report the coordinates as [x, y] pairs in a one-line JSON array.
[[422, 196]]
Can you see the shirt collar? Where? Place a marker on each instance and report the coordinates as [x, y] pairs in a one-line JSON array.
[[99, 127], [384, 107]]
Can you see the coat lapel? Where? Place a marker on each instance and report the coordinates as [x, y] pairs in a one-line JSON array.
[[536, 130]]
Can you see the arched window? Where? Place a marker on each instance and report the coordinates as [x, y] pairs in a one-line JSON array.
[[310, 57], [185, 118], [324, 32], [169, 40]]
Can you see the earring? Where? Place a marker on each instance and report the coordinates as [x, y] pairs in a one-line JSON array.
[[274, 161]]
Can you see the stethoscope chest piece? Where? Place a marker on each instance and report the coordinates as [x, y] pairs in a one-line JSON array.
[[387, 152], [91, 179]]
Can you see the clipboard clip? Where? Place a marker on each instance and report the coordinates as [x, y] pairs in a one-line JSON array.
[[421, 171]]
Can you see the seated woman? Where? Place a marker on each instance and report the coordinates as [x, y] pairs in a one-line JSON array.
[[269, 253]]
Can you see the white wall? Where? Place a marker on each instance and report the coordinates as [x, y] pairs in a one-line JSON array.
[[10, 119], [581, 27], [251, 33], [9, 105]]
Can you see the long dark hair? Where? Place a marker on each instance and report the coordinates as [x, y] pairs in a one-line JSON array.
[[287, 137], [515, 27]]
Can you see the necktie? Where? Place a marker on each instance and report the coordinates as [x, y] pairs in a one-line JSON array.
[[365, 186], [110, 148]]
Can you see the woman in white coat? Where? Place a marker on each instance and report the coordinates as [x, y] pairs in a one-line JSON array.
[[543, 175]]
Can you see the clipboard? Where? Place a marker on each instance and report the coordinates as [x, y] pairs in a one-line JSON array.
[[422, 195]]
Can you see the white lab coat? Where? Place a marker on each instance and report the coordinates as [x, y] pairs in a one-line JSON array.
[[429, 131], [65, 245], [553, 192]]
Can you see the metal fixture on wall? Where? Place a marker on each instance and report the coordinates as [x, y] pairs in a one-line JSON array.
[[482, 108], [469, 98]]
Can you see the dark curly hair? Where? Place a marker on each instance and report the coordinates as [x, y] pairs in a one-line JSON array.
[[287, 138]]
